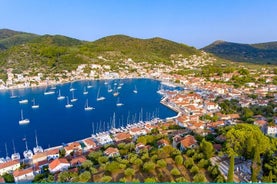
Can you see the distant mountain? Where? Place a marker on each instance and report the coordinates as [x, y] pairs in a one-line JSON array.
[[9, 38], [264, 53]]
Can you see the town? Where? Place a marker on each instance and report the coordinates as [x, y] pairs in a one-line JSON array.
[[189, 147]]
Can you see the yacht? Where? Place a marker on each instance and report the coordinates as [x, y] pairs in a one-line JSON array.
[[68, 105], [23, 121], [73, 98], [99, 98], [118, 104], [28, 154], [60, 97], [35, 106], [24, 101], [85, 91], [87, 107], [37, 149], [15, 155], [135, 90]]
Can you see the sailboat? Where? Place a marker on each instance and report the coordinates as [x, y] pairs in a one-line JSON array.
[[37, 149], [71, 87], [28, 154], [13, 95], [23, 121], [109, 89], [99, 98], [85, 91], [35, 106], [7, 154], [118, 104], [87, 107], [24, 101], [48, 92], [135, 90], [15, 156], [116, 93], [60, 97], [68, 105], [89, 85], [73, 98]]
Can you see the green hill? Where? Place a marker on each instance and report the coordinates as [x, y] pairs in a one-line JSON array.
[[9, 38], [262, 53], [55, 53]]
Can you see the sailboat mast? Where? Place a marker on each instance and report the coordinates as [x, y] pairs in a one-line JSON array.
[[13, 146], [36, 138], [7, 154]]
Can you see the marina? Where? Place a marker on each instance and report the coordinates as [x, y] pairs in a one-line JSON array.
[[56, 120]]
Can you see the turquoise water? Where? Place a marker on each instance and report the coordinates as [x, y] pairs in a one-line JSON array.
[[56, 124]]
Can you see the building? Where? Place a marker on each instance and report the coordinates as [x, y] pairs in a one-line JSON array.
[[272, 130], [188, 142], [9, 166], [59, 164], [72, 147], [24, 175], [122, 137], [111, 152], [77, 161], [90, 144]]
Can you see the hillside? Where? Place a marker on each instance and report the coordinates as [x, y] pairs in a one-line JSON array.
[[263, 53], [56, 52], [9, 38]]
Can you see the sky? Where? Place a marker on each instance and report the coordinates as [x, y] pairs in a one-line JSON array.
[[193, 22]]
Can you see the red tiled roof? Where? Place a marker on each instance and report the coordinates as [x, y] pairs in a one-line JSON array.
[[122, 136], [57, 162], [9, 163], [188, 141], [53, 151], [111, 150], [72, 146], [77, 160], [90, 142], [21, 172]]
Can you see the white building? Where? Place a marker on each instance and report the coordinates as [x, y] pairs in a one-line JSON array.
[[59, 164], [272, 130], [26, 175], [9, 166]]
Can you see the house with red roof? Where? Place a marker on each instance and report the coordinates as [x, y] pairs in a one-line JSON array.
[[40, 156], [53, 153], [24, 175], [59, 164], [77, 161], [89, 143], [188, 142], [72, 147], [136, 131], [9, 166], [163, 142], [122, 137], [111, 152]]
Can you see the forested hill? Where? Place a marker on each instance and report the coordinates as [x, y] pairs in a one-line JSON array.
[[262, 53]]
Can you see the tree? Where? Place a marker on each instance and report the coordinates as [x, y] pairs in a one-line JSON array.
[[93, 156], [179, 160], [129, 172], [142, 140], [87, 164], [161, 163], [106, 179], [66, 176], [181, 180], [189, 163], [150, 180], [194, 170], [103, 159], [148, 166], [85, 176], [199, 178], [230, 177], [175, 172], [112, 166], [207, 148], [62, 153], [8, 178]]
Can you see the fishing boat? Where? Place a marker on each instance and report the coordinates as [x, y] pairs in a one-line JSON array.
[[35, 106], [68, 105], [28, 154], [99, 98], [135, 90], [118, 104], [24, 101], [87, 107], [15, 155], [23, 121], [73, 98], [85, 91], [60, 97], [37, 149]]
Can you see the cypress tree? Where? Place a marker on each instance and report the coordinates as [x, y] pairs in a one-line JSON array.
[[230, 177]]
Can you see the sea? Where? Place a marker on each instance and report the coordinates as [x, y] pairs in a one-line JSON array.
[[53, 124]]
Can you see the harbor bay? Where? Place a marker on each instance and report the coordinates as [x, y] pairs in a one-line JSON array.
[[113, 103]]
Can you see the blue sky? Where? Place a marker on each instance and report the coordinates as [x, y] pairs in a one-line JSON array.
[[193, 22]]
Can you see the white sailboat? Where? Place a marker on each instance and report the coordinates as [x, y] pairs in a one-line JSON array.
[[7, 154], [23, 121], [28, 154], [85, 91], [48, 92], [73, 99], [109, 89], [68, 105], [118, 104], [35, 106], [89, 85], [87, 107], [115, 93], [13, 95], [135, 90], [37, 149], [15, 155], [99, 98], [71, 87], [60, 97], [24, 101]]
